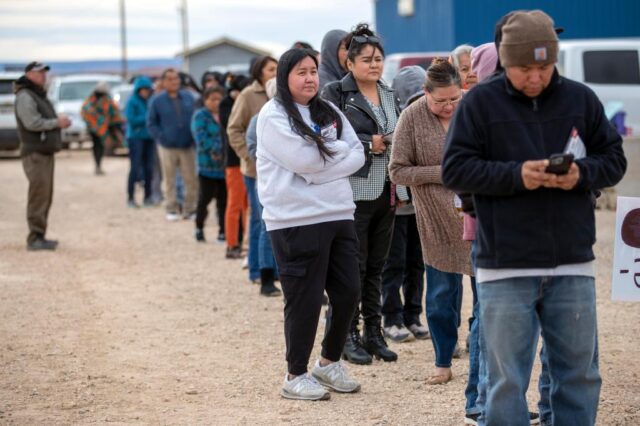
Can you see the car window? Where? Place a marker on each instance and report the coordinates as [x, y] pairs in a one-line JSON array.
[[6, 87], [611, 67], [76, 91]]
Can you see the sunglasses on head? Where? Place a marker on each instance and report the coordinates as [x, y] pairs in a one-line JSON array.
[[363, 39]]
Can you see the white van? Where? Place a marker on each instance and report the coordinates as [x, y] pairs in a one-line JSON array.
[[394, 62], [67, 93], [611, 67], [9, 139]]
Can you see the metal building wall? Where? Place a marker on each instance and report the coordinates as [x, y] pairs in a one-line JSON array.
[[444, 24], [428, 29]]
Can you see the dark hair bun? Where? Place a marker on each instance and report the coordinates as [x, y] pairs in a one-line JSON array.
[[362, 29]]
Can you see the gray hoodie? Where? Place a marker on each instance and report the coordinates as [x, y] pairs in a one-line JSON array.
[[330, 70], [409, 84]]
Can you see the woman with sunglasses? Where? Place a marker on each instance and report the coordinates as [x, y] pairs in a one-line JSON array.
[[416, 161], [372, 108], [306, 150]]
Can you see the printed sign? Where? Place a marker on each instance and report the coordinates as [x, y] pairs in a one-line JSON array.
[[625, 284]]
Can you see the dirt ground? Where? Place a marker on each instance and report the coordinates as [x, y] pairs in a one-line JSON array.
[[131, 322]]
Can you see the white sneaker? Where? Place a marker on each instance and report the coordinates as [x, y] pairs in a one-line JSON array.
[[420, 331], [172, 217], [397, 334], [303, 387], [335, 376]]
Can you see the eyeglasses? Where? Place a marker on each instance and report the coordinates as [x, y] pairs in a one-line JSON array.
[[362, 39], [452, 102]]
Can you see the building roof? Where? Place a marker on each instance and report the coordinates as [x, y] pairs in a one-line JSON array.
[[220, 41]]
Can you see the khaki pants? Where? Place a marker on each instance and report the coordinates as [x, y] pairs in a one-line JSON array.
[[183, 159], [39, 170]]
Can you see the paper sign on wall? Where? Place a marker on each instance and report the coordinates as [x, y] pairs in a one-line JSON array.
[[626, 254]]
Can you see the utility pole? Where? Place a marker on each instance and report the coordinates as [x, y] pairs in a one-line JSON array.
[[185, 35], [123, 40]]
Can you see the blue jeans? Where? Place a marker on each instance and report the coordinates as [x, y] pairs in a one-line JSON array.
[[142, 153], [179, 188], [254, 227], [442, 312], [471, 393], [512, 312], [266, 260]]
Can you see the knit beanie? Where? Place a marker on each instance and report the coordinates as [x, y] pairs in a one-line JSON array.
[[528, 38], [483, 60]]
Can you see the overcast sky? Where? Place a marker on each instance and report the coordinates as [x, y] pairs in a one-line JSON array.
[[84, 29]]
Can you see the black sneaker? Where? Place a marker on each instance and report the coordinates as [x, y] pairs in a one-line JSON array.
[[534, 418], [234, 253], [221, 238], [471, 419], [42, 244], [199, 235], [270, 290]]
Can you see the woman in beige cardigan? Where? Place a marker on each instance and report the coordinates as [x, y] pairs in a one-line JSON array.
[[416, 157]]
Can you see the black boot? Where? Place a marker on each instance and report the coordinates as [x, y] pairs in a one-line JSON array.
[[375, 344], [353, 350]]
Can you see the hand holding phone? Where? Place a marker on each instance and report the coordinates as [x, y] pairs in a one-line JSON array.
[[559, 164]]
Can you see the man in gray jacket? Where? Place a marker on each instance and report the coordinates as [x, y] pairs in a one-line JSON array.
[[39, 129]]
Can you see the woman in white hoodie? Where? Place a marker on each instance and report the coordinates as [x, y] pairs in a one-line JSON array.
[[306, 151]]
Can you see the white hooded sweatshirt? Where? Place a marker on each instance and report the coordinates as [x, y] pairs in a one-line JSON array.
[[296, 186]]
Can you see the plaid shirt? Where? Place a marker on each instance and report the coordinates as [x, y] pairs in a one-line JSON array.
[[371, 187]]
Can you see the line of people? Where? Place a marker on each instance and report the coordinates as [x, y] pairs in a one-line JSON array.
[[455, 147], [355, 189]]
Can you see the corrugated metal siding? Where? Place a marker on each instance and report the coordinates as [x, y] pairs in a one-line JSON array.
[[428, 29], [444, 24]]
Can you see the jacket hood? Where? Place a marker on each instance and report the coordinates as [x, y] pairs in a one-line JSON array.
[[24, 83], [329, 65], [142, 82], [409, 84]]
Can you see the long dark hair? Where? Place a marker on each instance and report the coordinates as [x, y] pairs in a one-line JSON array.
[[258, 66], [322, 113]]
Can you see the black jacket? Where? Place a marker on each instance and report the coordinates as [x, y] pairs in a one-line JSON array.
[[230, 157], [346, 96], [495, 130]]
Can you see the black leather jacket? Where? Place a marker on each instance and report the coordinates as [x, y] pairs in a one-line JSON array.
[[346, 96]]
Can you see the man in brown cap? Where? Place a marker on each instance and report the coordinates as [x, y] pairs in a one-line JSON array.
[[39, 130], [536, 226]]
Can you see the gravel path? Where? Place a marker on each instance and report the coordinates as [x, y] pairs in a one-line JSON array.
[[132, 322]]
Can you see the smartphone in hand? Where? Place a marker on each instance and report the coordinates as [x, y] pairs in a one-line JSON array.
[[559, 164]]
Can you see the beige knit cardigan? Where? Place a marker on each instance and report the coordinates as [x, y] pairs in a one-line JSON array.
[[416, 159]]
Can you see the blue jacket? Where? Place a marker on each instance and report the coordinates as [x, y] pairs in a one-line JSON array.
[[495, 129], [209, 147], [165, 126], [136, 111]]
